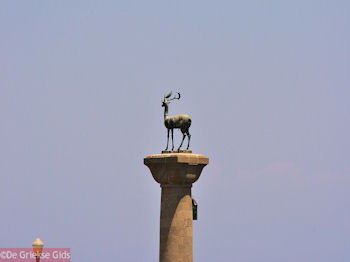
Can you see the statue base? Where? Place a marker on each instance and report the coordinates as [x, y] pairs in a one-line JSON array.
[[177, 151], [176, 172]]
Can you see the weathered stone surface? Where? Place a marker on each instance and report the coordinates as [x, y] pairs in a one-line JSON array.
[[176, 172], [176, 224], [176, 168]]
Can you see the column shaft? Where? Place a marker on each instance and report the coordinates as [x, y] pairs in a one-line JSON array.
[[176, 233]]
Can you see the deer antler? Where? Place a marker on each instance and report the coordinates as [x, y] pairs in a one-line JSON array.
[[168, 95], [175, 97]]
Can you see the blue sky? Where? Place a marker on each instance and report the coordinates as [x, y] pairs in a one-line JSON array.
[[266, 84]]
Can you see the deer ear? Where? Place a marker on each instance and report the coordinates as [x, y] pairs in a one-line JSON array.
[[169, 95]]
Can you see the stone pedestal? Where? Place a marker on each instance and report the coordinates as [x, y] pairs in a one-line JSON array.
[[176, 172]]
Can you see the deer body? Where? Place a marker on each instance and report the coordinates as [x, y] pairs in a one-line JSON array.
[[182, 122]]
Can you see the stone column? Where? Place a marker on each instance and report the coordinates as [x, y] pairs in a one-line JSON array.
[[176, 172]]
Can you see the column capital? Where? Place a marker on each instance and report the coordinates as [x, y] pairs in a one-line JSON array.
[[176, 168]]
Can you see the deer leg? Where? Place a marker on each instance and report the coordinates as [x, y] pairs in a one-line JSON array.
[[183, 138], [189, 138], [167, 141], [172, 139]]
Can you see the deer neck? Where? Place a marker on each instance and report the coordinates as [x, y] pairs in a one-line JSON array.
[[165, 111]]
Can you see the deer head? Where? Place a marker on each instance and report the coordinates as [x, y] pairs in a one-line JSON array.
[[167, 99]]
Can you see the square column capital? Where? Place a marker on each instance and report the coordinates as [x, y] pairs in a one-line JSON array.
[[176, 168]]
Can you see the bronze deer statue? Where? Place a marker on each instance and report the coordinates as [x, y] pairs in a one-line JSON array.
[[182, 122]]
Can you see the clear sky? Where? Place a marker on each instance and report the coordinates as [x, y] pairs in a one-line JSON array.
[[266, 84]]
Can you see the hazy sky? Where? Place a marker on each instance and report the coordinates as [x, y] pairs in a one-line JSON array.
[[266, 84]]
